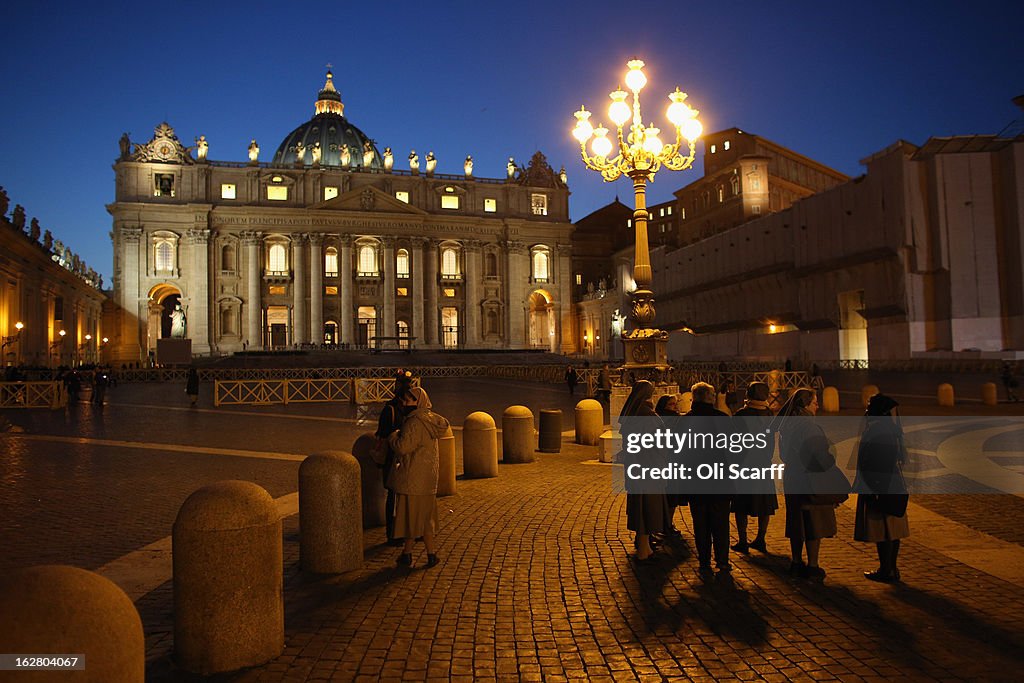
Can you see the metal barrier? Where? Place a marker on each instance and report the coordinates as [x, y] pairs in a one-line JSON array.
[[318, 390], [50, 395], [249, 392]]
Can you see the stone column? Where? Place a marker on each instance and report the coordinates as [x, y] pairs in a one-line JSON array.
[[418, 328], [474, 275], [198, 283], [316, 288], [430, 292], [388, 312], [133, 323], [517, 278], [300, 315], [253, 306], [563, 276], [345, 283]]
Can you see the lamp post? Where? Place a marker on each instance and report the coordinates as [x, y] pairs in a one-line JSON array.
[[12, 338], [639, 154], [84, 349]]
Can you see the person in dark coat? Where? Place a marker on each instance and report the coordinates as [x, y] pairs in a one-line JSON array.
[[805, 451], [571, 379], [763, 504], [667, 407], [882, 492], [710, 511], [645, 512], [192, 386], [389, 421], [1010, 382]]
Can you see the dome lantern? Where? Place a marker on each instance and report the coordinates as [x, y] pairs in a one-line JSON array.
[[329, 99]]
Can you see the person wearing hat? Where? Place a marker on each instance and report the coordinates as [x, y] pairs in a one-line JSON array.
[[764, 503], [881, 489], [414, 474], [389, 421]]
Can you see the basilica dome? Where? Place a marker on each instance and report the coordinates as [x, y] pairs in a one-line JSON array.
[[329, 136]]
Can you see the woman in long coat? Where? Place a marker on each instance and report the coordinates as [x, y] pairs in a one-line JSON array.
[[882, 493], [414, 474], [645, 512], [764, 503]]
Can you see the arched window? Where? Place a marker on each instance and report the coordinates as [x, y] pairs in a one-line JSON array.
[[491, 265], [227, 257], [540, 266], [277, 260], [402, 263], [403, 331], [449, 263], [735, 185], [721, 194], [367, 260], [331, 262], [164, 256]]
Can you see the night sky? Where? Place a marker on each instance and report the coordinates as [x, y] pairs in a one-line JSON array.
[[835, 82]]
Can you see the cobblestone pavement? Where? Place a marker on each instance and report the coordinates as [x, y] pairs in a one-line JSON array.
[[535, 582]]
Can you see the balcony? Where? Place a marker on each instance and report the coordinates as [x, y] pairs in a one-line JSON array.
[[277, 275]]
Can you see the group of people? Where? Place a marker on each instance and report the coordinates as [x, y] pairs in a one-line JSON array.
[[814, 485], [407, 434]]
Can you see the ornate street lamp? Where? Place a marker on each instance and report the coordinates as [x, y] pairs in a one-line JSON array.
[[639, 154]]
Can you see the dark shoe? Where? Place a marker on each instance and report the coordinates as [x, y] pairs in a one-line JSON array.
[[759, 546], [725, 567], [741, 548], [405, 560], [432, 560], [814, 574], [672, 531], [895, 575], [879, 576], [796, 568], [706, 571], [396, 542]]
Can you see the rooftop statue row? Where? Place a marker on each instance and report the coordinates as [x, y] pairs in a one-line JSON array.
[[58, 252]]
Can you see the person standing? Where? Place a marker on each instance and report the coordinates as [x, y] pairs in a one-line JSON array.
[[414, 474], [763, 503], [604, 384], [882, 491], [645, 512], [1010, 382], [666, 408], [388, 422], [710, 511], [99, 386], [571, 379], [806, 452], [192, 386]]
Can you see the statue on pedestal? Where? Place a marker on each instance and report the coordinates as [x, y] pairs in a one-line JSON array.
[[254, 151], [33, 230], [510, 168], [178, 323], [316, 153], [367, 154], [126, 146], [47, 240], [202, 147], [18, 218], [5, 202]]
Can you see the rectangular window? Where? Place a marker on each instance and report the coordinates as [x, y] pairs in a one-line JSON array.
[[539, 204], [490, 205], [629, 222], [725, 145], [402, 196], [277, 290], [579, 278], [227, 191], [330, 193], [713, 149], [661, 212], [669, 210], [402, 291], [331, 290], [277, 193], [682, 214], [449, 292], [449, 201]]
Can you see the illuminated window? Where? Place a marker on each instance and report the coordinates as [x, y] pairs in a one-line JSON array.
[[661, 212], [330, 193], [402, 196], [579, 278], [725, 145], [540, 266], [756, 208], [402, 291], [277, 259], [331, 290], [449, 263], [277, 290], [367, 260], [629, 222], [713, 150], [403, 331], [735, 185], [449, 292], [449, 201], [227, 191], [402, 263], [164, 256], [331, 262], [539, 204], [277, 193], [721, 194], [682, 212], [490, 205], [669, 210]]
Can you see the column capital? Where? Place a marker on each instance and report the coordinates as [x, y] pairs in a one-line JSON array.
[[515, 246], [251, 237], [299, 239], [388, 242], [316, 239], [473, 245], [131, 234], [563, 249], [420, 242], [198, 235], [345, 240]]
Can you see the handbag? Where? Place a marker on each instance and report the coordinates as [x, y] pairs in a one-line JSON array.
[[830, 487]]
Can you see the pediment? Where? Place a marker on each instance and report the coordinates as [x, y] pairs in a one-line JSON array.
[[368, 198]]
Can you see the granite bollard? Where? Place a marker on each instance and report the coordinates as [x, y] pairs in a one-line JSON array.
[[866, 393], [946, 396], [830, 400], [589, 422], [330, 513], [989, 394], [479, 446], [446, 464], [517, 435], [550, 435], [228, 593]]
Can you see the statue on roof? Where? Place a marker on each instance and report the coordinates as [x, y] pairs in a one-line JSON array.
[[47, 240], [5, 202], [367, 153], [316, 153], [33, 230], [126, 147], [468, 166], [510, 168], [539, 173], [414, 162], [346, 155], [254, 152], [431, 162], [202, 147], [18, 218], [389, 159], [300, 153]]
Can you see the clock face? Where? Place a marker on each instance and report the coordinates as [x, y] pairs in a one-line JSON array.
[[165, 151]]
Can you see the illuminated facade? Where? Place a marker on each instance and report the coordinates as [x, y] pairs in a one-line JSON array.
[[331, 243]]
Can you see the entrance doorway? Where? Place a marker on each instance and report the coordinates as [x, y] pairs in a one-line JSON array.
[[277, 327], [450, 327], [366, 329], [542, 321], [853, 327]]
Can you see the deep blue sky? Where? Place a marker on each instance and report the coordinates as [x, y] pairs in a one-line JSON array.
[[835, 82]]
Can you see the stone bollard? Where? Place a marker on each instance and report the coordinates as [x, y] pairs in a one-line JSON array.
[[989, 394], [479, 446], [228, 593], [550, 439], [830, 400], [517, 435], [867, 392], [54, 609], [946, 398], [446, 464], [374, 495], [684, 402], [330, 513], [589, 422]]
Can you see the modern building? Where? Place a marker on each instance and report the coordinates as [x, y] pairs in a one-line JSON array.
[[51, 304], [330, 243]]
